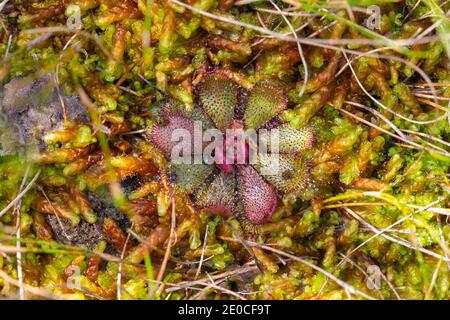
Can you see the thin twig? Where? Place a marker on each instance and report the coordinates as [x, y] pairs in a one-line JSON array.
[[119, 272]]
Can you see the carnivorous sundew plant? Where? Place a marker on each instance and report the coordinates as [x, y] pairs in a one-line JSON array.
[[232, 110], [224, 149]]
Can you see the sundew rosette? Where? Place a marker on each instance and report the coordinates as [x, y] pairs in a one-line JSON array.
[[229, 179]]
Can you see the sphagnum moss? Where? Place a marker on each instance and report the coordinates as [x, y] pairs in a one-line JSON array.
[[83, 179]]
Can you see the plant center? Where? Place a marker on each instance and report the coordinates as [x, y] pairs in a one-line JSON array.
[[235, 150]]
